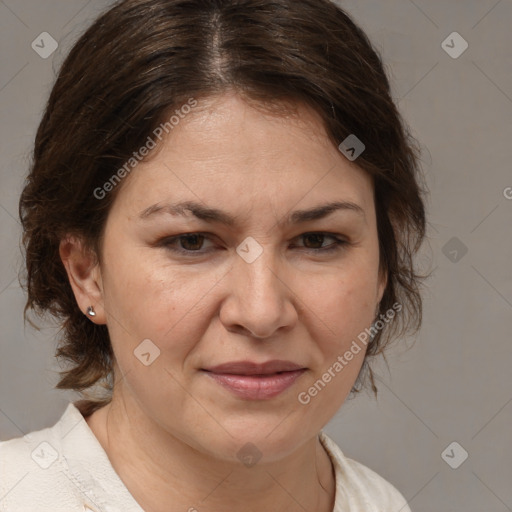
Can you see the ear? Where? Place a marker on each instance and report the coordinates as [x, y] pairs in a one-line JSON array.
[[84, 276], [383, 281]]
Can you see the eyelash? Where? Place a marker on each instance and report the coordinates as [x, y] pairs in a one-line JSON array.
[[336, 246]]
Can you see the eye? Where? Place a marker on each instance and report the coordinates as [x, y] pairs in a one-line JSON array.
[[190, 244], [318, 238]]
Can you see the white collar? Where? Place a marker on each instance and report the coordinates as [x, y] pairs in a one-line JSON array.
[[90, 468]]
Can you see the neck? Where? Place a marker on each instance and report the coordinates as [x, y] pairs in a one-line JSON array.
[[160, 469]]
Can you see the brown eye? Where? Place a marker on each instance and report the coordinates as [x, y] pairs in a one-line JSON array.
[[191, 242], [188, 244], [316, 240]]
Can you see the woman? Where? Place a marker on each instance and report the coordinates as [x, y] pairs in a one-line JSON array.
[[223, 198]]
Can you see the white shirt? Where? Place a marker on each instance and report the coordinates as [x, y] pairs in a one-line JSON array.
[[65, 469]]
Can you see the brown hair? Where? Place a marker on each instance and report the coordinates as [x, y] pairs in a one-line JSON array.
[[140, 60]]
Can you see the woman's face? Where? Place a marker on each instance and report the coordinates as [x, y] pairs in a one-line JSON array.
[[255, 290]]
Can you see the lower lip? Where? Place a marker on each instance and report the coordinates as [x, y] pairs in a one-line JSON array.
[[257, 387]]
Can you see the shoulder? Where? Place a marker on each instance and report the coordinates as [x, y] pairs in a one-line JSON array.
[[32, 468], [359, 488]]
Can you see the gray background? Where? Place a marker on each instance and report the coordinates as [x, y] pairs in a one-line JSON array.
[[454, 382]]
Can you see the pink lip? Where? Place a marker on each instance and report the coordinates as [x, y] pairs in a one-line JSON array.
[[256, 381]]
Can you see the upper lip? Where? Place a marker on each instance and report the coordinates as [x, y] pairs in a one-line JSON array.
[[251, 368]]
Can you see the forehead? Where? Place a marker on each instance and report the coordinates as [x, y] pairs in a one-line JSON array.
[[228, 153]]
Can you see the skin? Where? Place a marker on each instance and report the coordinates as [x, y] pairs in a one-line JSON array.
[[171, 432]]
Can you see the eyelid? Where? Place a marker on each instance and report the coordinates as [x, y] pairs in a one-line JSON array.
[[340, 243]]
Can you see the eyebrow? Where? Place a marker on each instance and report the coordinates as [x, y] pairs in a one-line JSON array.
[[208, 214]]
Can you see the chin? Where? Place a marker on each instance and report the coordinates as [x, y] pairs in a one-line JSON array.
[[268, 441]]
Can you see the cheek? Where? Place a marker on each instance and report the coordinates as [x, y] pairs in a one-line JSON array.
[[349, 312], [343, 307], [146, 298], [344, 302]]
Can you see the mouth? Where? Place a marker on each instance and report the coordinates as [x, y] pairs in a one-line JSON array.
[[256, 381]]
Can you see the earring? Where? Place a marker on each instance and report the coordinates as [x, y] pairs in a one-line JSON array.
[[90, 311]]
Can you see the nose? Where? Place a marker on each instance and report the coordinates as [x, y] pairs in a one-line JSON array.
[[260, 299]]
